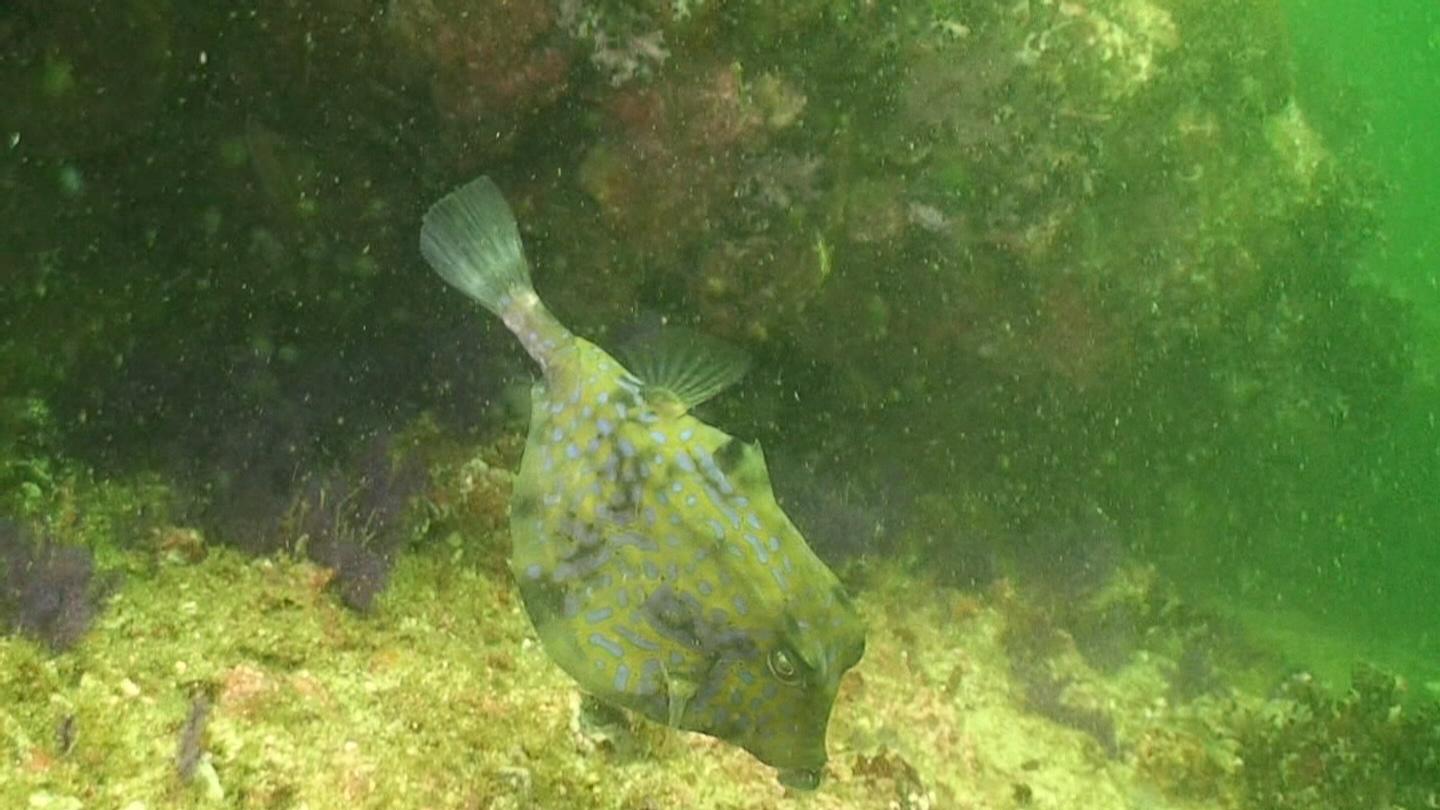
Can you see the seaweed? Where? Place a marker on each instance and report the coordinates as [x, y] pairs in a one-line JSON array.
[[344, 517], [49, 591], [1195, 674], [1039, 650], [350, 522], [191, 746], [1045, 695], [1374, 746]]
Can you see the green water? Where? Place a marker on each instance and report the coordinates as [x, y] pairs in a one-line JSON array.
[[1369, 77], [1385, 62], [1362, 581]]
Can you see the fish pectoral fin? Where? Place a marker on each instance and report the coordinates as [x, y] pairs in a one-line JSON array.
[[679, 690]]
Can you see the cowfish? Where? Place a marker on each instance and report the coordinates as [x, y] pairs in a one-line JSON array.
[[649, 551]]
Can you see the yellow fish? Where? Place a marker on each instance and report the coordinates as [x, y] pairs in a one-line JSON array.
[[649, 550]]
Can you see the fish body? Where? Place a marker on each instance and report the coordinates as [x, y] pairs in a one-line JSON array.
[[650, 553]]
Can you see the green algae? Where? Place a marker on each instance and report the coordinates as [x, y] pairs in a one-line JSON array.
[[306, 694]]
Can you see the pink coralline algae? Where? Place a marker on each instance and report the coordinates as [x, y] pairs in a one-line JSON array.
[[1077, 340], [491, 65], [623, 47], [701, 149], [673, 148]]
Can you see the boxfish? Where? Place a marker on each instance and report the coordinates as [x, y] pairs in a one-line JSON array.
[[649, 551]]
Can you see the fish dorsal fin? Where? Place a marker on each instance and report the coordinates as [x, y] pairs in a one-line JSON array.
[[682, 368]]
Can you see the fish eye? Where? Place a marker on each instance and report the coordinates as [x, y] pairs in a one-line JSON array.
[[782, 666]]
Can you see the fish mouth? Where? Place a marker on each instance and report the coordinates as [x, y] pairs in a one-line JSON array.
[[806, 779]]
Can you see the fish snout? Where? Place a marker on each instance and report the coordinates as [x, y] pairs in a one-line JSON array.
[[799, 779], [797, 753]]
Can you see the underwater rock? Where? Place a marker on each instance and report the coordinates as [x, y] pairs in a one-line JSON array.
[[83, 77]]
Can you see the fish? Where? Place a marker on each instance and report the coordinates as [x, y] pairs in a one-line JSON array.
[[649, 551]]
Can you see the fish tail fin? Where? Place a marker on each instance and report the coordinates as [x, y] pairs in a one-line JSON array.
[[470, 238]]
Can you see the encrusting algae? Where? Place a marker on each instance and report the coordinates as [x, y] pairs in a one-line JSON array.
[[651, 555]]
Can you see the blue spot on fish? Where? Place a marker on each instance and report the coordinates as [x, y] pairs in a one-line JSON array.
[[607, 645], [639, 641], [759, 549], [684, 462]]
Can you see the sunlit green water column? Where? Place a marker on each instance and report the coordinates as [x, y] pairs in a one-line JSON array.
[[1371, 71]]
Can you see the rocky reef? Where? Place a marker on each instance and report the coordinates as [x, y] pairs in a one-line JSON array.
[[1055, 320]]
